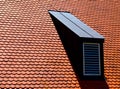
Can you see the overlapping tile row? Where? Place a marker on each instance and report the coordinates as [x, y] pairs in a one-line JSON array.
[[31, 53]]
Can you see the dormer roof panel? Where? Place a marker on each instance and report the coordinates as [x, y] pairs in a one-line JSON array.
[[75, 25]]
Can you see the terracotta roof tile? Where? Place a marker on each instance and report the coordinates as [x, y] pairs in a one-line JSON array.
[[31, 53]]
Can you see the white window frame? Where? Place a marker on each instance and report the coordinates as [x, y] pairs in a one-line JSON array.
[[84, 61]]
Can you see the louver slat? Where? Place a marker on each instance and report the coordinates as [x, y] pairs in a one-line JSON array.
[[91, 59]]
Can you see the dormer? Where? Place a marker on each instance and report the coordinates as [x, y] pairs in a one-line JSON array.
[[84, 46]]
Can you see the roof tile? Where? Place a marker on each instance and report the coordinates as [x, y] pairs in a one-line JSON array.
[[31, 53]]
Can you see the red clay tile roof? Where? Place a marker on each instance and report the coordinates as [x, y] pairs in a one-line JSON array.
[[31, 53]]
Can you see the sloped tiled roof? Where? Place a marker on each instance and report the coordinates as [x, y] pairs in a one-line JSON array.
[[31, 53]]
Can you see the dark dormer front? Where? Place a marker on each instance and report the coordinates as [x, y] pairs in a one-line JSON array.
[[83, 45]]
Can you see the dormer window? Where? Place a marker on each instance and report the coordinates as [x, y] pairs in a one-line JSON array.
[[84, 46], [91, 59]]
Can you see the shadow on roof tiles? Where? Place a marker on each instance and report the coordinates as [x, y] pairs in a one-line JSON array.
[[95, 84]]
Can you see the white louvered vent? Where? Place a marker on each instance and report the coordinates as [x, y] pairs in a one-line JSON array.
[[91, 59]]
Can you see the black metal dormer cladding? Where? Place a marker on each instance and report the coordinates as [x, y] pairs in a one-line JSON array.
[[84, 46]]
